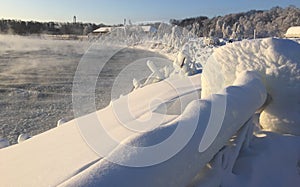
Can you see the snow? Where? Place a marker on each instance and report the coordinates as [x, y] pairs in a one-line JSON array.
[[278, 61], [271, 159], [171, 41], [64, 150], [253, 165], [218, 142], [181, 168], [46, 159]]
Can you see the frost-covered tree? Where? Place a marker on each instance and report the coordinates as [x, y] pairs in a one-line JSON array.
[[273, 22]]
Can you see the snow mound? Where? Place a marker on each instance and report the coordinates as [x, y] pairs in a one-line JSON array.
[[277, 60]]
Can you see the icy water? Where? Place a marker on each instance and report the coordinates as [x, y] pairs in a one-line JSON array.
[[36, 79]]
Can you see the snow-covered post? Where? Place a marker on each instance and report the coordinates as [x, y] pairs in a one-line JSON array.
[[242, 100]]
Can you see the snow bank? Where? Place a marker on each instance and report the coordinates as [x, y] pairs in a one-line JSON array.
[[247, 91], [278, 61]]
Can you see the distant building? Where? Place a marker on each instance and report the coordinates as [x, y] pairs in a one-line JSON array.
[[104, 30], [293, 32], [149, 29]]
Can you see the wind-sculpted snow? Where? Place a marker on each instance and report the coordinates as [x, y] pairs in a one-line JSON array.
[[278, 61]]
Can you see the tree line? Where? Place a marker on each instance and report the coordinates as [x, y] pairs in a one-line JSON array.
[[32, 27], [265, 23]]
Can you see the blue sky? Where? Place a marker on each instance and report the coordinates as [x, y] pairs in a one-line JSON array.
[[114, 11]]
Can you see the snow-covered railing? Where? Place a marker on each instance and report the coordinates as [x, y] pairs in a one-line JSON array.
[[247, 91]]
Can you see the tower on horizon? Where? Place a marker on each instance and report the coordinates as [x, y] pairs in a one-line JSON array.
[[74, 19]]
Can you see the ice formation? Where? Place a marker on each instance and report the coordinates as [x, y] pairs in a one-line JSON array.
[[278, 61]]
